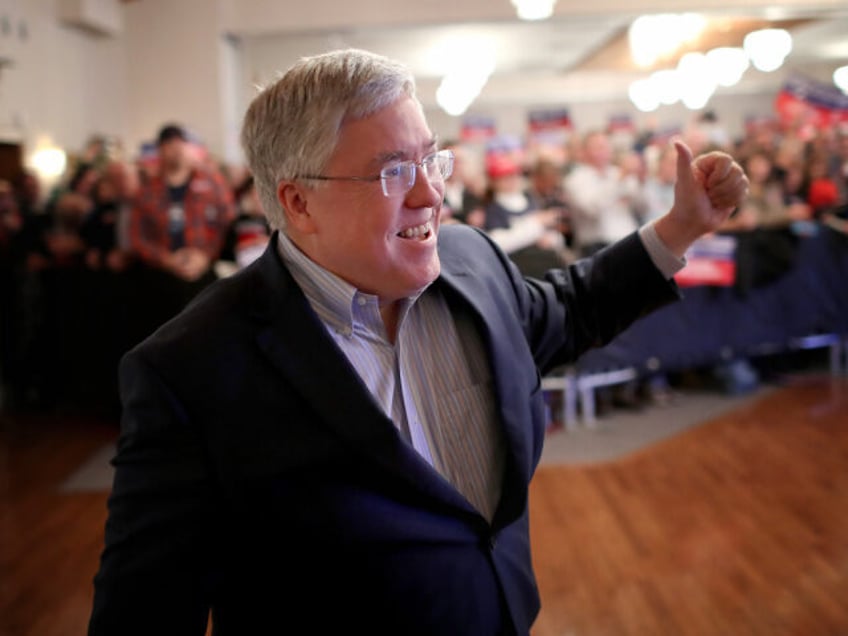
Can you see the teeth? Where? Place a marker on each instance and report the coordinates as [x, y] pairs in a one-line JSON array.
[[415, 232]]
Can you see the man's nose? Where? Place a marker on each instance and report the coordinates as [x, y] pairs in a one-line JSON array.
[[425, 192]]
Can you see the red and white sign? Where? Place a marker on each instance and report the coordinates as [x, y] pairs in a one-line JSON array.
[[710, 261]]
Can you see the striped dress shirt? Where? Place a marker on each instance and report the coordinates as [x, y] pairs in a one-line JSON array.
[[435, 381]]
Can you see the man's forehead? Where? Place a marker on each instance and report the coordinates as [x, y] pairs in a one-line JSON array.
[[404, 152], [397, 132]]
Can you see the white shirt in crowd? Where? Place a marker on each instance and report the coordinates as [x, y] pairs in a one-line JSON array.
[[601, 204]]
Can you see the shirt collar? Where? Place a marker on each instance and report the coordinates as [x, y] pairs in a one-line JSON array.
[[337, 303]]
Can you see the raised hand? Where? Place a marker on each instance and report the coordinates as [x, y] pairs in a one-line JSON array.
[[707, 190]]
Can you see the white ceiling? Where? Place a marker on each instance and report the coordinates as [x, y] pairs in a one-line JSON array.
[[534, 59], [556, 44]]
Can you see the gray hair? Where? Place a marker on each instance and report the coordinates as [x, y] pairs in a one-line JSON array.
[[291, 127]]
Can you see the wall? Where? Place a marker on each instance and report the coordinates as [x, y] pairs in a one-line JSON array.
[[63, 84], [732, 111], [174, 74], [170, 63]]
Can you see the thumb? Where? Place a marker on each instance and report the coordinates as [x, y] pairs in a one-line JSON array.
[[685, 173]]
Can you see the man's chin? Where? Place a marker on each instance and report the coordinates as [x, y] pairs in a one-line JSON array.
[[421, 282]]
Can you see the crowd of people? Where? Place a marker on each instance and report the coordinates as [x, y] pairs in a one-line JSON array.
[[548, 208], [115, 250], [119, 247], [601, 186]]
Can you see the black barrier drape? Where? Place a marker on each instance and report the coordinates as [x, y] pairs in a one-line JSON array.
[[711, 323]]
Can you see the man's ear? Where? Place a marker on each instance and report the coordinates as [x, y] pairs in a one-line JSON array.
[[293, 199]]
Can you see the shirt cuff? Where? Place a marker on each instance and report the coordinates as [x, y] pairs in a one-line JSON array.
[[663, 259]]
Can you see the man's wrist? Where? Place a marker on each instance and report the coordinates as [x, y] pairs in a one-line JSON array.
[[676, 236], [665, 260]]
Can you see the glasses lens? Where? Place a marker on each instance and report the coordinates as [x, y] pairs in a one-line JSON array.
[[444, 159], [438, 166], [400, 177], [397, 178]]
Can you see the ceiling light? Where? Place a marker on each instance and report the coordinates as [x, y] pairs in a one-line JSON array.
[[643, 95], [696, 82], [461, 86], [650, 39], [695, 96], [49, 162], [840, 78], [667, 86], [695, 65], [534, 9], [690, 26], [767, 48], [456, 92], [653, 37], [469, 61], [728, 64]]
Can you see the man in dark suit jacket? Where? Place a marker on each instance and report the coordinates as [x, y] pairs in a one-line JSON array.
[[340, 437]]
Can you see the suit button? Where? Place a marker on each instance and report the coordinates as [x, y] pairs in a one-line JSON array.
[[493, 541]]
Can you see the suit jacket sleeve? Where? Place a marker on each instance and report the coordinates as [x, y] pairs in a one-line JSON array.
[[156, 572], [575, 308], [605, 294]]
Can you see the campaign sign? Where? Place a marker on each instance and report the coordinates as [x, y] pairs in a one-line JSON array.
[[805, 100], [711, 260], [477, 128]]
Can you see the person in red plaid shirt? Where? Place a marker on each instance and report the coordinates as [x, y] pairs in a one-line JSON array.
[[177, 228]]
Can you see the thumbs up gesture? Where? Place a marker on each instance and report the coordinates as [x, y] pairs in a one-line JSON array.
[[708, 189]]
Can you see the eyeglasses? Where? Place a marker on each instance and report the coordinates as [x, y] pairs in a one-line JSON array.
[[399, 177]]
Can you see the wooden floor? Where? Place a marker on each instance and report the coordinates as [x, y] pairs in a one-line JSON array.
[[738, 527], [49, 542]]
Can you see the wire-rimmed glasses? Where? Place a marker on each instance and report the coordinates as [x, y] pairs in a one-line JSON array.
[[398, 177]]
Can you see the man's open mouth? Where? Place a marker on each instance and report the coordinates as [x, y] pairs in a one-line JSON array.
[[419, 232]]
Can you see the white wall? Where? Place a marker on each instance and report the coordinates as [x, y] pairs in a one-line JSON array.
[[174, 69], [64, 84], [233, 98]]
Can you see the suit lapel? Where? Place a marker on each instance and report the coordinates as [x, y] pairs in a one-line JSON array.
[[461, 285], [296, 342]]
